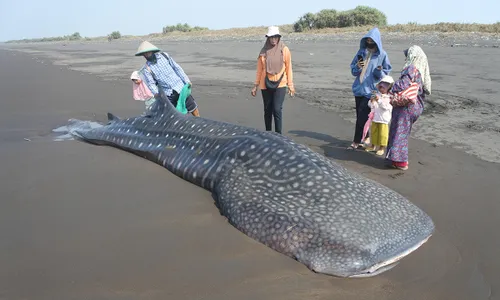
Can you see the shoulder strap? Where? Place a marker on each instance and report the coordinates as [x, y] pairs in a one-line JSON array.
[[149, 69], [151, 72]]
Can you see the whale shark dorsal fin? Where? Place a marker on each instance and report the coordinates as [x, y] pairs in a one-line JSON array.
[[162, 105], [112, 118]]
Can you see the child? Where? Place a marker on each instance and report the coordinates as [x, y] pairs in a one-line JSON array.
[[141, 91], [380, 104]]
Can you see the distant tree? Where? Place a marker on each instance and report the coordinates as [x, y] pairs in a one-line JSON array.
[[305, 22], [330, 18], [326, 18], [75, 36], [114, 35]]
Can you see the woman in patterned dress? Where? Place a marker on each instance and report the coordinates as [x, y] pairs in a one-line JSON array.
[[416, 69]]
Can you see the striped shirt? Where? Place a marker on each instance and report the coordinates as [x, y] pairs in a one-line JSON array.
[[168, 74]]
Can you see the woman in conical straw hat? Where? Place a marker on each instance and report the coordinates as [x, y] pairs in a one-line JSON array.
[[274, 75], [160, 69]]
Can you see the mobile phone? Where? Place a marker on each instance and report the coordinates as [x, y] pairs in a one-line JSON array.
[[360, 57]]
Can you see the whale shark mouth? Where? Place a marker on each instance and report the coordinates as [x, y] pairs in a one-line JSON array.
[[388, 264]]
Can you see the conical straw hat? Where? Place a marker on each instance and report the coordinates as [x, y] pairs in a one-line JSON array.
[[146, 47]]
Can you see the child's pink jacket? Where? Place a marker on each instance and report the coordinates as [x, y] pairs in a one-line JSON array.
[[141, 92]]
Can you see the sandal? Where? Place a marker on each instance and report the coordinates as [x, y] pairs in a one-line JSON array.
[[353, 146], [400, 168]]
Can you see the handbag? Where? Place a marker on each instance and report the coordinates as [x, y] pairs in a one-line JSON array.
[[273, 84], [181, 101], [408, 96]]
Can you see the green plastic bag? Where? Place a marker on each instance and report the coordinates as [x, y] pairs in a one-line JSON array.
[[181, 103]]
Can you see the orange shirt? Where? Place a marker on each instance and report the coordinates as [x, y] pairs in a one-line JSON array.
[[287, 68]]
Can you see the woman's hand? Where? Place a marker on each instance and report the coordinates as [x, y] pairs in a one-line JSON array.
[[254, 90], [291, 91]]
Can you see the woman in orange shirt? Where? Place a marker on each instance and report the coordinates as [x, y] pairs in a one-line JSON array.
[[274, 74]]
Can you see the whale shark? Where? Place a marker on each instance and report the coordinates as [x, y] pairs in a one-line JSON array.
[[276, 191]]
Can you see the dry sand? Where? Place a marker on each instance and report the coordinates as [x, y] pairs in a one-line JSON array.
[[85, 222]]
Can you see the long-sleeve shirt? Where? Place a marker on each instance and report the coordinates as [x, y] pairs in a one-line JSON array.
[[382, 109], [287, 79], [168, 74]]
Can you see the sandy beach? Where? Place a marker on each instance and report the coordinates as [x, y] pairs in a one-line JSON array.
[[87, 222], [461, 113]]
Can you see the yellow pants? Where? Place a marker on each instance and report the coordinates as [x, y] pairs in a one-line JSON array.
[[379, 134]]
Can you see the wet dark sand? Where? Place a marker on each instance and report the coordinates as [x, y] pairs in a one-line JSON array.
[[79, 221]]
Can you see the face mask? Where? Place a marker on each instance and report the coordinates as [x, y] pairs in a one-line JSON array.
[[152, 58], [371, 46]]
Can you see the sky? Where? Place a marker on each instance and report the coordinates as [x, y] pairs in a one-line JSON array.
[[36, 19]]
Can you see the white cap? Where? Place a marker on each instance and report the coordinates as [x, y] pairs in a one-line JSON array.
[[135, 75], [387, 79], [272, 31]]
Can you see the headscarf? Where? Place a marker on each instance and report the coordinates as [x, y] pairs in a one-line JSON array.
[[416, 56], [273, 55]]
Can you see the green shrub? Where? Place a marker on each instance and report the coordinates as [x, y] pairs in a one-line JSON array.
[[327, 18], [365, 15], [75, 36], [305, 22], [345, 19], [330, 18], [114, 35], [182, 28]]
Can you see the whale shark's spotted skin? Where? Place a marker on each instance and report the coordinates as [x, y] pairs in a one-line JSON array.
[[278, 192]]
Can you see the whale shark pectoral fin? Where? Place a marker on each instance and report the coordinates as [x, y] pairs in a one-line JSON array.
[[112, 118], [250, 211]]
